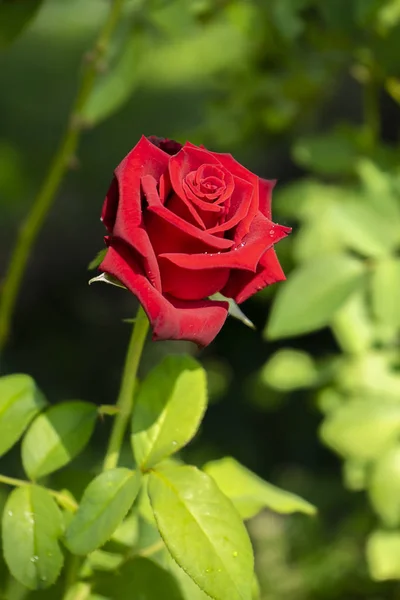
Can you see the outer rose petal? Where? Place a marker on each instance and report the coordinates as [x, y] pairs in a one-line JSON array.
[[265, 194], [243, 284], [190, 284], [170, 319], [110, 206], [144, 159], [247, 255]]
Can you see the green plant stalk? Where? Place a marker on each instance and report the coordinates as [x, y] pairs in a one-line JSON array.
[[125, 397], [33, 223], [61, 498]]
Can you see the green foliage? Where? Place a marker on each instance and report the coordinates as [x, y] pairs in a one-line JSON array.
[[105, 503], [202, 531], [250, 494], [141, 578], [362, 428], [333, 279], [385, 291], [20, 402], [384, 487], [289, 369], [268, 80], [57, 436], [32, 525], [14, 17], [383, 555], [169, 408]]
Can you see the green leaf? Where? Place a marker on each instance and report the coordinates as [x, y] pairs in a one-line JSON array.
[[234, 310], [384, 487], [289, 369], [362, 429], [250, 494], [352, 325], [98, 259], [313, 294], [188, 588], [32, 524], [329, 154], [202, 531], [378, 190], [364, 228], [140, 578], [355, 474], [169, 408], [383, 555], [57, 436], [15, 15], [385, 291], [20, 401], [104, 505], [114, 88]]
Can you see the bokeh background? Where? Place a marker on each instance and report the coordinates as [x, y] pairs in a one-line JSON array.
[[304, 91]]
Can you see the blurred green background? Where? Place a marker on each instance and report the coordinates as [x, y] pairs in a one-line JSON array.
[[305, 91]]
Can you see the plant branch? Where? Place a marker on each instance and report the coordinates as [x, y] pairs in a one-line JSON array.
[[61, 498], [33, 223], [125, 398]]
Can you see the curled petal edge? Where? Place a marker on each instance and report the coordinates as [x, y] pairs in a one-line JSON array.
[[170, 319]]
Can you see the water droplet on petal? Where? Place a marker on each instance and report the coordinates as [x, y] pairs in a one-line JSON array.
[[272, 232]]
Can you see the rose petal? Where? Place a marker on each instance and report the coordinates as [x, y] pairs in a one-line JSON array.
[[263, 234], [144, 159], [169, 146], [110, 206], [190, 284], [166, 228], [239, 170], [240, 202], [242, 284], [170, 319], [265, 195], [184, 163]]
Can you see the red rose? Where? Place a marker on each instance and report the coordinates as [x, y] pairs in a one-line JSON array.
[[186, 223]]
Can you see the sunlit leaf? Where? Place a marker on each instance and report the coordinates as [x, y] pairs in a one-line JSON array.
[[312, 295], [383, 555], [289, 369], [250, 494], [168, 410], [104, 505], [32, 524], [384, 487], [202, 531], [362, 429], [57, 436], [20, 402]]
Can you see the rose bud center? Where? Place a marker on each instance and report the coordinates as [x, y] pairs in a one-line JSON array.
[[207, 183]]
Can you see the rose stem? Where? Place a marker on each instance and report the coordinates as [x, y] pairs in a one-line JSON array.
[[125, 397], [30, 228]]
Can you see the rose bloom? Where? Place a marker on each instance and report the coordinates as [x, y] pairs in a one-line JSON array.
[[184, 224]]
